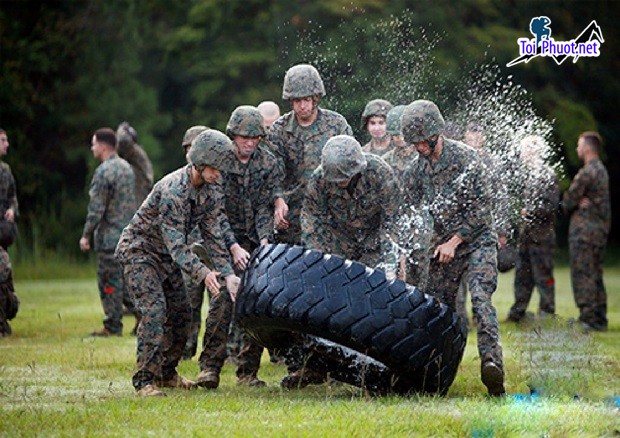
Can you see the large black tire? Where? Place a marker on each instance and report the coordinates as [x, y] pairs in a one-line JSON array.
[[385, 336]]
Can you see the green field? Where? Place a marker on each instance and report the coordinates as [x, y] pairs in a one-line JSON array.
[[55, 380]]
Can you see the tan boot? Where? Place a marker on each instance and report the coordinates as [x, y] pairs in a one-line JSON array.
[[251, 381], [150, 391], [209, 379], [177, 382]]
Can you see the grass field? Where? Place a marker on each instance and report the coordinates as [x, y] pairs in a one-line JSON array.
[[57, 381]]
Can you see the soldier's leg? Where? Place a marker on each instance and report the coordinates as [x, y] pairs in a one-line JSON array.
[[248, 361], [542, 269], [215, 338], [483, 283], [461, 299], [583, 270], [523, 283], [444, 280], [600, 300], [196, 297], [6, 288], [144, 285], [176, 325], [111, 290]]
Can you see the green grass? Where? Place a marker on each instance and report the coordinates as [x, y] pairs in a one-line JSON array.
[[57, 381]]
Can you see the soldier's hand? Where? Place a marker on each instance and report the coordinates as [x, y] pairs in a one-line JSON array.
[[445, 252], [212, 284], [84, 244], [232, 284], [9, 215], [240, 256], [280, 213], [584, 203]]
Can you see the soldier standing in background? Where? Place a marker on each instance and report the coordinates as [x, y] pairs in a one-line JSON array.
[[374, 122], [155, 247], [298, 138], [251, 186], [109, 211], [536, 244], [587, 202], [350, 209], [9, 303], [451, 180], [195, 290]]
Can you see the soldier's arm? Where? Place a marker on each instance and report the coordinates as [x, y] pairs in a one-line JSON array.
[[477, 203], [314, 229], [12, 194], [576, 191], [217, 232], [173, 217], [264, 220], [99, 195]]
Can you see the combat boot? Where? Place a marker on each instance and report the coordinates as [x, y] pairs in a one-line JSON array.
[[302, 378], [208, 378], [493, 378], [251, 381], [177, 382], [150, 391]]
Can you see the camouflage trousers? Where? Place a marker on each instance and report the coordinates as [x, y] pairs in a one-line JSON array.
[[6, 288], [417, 268], [586, 268], [160, 297], [111, 290], [479, 267], [217, 331], [534, 268], [196, 293]]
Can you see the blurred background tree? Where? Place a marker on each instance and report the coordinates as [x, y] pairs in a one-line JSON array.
[[68, 67]]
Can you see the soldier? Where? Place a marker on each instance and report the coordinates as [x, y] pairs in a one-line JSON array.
[[536, 244], [195, 290], [451, 181], [374, 121], [110, 209], [136, 156], [8, 210], [250, 187], [414, 262], [587, 202], [297, 139], [155, 247], [270, 112], [350, 209]]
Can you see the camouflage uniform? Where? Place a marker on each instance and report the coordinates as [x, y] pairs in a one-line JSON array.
[[8, 199], [135, 155], [455, 188], [587, 238], [536, 244], [354, 222], [154, 249], [299, 147], [249, 189], [109, 211]]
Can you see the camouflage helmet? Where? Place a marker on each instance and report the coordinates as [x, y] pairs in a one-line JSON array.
[[191, 134], [393, 120], [302, 80], [342, 158], [376, 107], [211, 148], [247, 121], [421, 120]]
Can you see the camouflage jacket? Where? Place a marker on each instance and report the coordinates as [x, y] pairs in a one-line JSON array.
[[371, 150], [8, 193], [142, 168], [590, 224], [299, 147], [250, 194], [540, 198], [366, 215], [160, 232], [400, 158], [457, 194], [111, 203]]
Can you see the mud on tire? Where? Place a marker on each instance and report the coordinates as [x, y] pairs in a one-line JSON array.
[[385, 336]]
